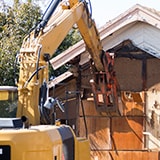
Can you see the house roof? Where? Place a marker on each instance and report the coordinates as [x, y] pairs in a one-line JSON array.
[[114, 33], [135, 13], [139, 24], [59, 79]]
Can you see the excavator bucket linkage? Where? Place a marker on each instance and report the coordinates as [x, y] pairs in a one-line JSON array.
[[105, 86]]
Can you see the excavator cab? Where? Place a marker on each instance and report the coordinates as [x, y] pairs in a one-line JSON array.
[[8, 101]]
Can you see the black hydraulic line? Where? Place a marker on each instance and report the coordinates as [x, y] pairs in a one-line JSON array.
[[47, 15], [84, 117], [37, 64], [33, 74], [44, 115], [88, 8]]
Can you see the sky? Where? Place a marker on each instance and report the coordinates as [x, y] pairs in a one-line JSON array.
[[105, 10]]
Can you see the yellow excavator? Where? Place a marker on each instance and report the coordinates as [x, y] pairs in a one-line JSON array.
[[28, 137]]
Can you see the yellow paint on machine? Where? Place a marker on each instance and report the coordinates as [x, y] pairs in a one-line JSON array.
[[4, 95], [40, 142]]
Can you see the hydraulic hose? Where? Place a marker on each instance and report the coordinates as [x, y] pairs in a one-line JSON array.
[[47, 15]]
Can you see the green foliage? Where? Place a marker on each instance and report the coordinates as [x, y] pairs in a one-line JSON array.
[[8, 108], [72, 38], [15, 23]]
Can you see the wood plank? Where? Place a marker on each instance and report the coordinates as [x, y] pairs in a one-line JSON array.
[[128, 107], [100, 155], [125, 155], [134, 155], [153, 73], [126, 69], [89, 108], [133, 103], [127, 133], [71, 110], [98, 131]]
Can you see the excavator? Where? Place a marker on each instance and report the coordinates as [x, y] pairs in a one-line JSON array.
[[31, 135]]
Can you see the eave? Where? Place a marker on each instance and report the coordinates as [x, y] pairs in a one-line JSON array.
[[136, 14]]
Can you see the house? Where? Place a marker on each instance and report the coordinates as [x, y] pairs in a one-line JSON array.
[[134, 37]]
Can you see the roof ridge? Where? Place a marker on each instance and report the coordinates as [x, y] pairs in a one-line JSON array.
[[130, 10]]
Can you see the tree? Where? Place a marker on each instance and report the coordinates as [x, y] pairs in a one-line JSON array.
[[72, 38], [15, 23]]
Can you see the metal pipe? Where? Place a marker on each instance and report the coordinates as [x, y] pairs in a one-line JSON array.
[[47, 15]]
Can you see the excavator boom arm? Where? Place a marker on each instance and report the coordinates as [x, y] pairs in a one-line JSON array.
[[42, 44]]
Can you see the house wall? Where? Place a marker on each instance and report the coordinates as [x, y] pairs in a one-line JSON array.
[[108, 134], [129, 74], [71, 103], [135, 133], [143, 35], [153, 104], [118, 136]]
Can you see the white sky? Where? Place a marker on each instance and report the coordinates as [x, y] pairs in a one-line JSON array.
[[105, 10]]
